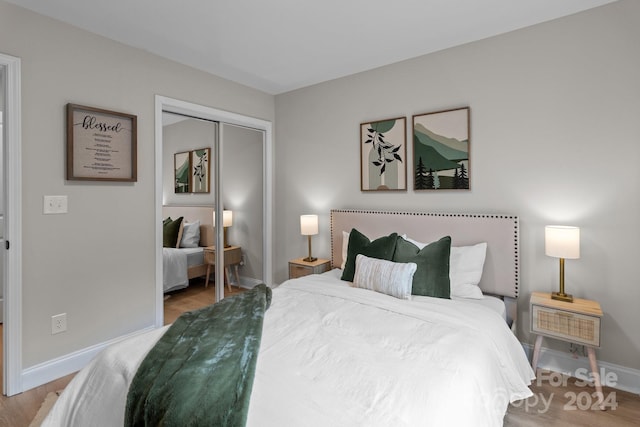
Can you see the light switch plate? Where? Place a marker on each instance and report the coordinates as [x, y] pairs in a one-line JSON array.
[[55, 205]]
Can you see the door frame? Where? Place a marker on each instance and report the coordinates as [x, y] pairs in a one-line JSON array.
[[12, 277], [163, 103]]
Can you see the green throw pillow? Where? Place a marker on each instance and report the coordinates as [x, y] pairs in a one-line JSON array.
[[166, 221], [432, 275], [170, 232], [381, 248]]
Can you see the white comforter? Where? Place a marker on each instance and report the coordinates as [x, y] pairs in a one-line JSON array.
[[174, 269], [332, 355]]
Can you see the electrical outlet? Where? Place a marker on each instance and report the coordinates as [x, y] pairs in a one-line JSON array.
[[54, 205], [58, 323]]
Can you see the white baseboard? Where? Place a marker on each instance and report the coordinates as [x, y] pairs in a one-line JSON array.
[[249, 282], [68, 364], [612, 375]]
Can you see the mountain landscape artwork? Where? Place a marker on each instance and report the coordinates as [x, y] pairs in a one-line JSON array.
[[441, 150], [383, 155]]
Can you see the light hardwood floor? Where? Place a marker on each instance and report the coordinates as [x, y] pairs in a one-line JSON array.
[[18, 411]]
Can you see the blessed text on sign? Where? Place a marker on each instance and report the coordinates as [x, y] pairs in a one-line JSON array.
[[103, 145]]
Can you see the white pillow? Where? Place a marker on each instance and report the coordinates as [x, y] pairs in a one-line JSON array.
[[387, 277], [465, 268], [190, 235], [345, 247]]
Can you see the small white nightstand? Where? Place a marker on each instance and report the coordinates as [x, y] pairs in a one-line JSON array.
[[299, 267], [578, 322]]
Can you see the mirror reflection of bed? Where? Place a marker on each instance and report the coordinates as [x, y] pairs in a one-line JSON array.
[[241, 184], [185, 266]]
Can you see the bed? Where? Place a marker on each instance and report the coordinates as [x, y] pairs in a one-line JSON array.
[[332, 353], [184, 263]]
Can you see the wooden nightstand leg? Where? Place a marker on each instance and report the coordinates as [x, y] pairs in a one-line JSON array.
[[235, 268], [206, 283], [591, 352], [536, 354], [226, 273]]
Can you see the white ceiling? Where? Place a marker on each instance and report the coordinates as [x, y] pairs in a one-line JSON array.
[[280, 45]]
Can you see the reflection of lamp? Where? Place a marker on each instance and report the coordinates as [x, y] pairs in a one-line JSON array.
[[309, 227], [227, 221], [562, 242]]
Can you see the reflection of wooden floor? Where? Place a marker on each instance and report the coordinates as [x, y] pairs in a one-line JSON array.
[[191, 298], [19, 410]]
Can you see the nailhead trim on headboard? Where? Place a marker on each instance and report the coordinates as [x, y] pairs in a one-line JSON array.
[[516, 228]]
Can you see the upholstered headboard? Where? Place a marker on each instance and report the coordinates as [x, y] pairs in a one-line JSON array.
[[194, 213], [501, 267]]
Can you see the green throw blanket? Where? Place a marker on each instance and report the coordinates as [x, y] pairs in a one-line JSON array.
[[201, 371]]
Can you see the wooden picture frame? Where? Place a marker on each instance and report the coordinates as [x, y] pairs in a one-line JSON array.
[[441, 143], [200, 175], [383, 153], [101, 145], [182, 172]]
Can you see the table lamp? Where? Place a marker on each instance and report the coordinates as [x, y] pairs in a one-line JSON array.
[[309, 227], [227, 221], [562, 242]]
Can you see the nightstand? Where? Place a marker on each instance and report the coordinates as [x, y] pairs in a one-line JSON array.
[[577, 322], [299, 267], [232, 257]]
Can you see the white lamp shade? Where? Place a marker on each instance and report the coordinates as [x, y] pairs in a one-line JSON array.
[[561, 241], [308, 225], [227, 218]]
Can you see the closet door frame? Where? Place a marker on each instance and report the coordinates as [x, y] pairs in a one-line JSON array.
[[163, 103]]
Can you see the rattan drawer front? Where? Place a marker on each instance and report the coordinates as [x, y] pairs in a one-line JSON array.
[[566, 325]]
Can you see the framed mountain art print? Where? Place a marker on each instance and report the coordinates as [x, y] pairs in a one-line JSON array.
[[441, 150]]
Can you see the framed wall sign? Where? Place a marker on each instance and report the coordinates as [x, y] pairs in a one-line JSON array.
[[101, 144]]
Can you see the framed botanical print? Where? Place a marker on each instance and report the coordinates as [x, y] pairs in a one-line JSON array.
[[441, 150], [200, 170], [383, 154]]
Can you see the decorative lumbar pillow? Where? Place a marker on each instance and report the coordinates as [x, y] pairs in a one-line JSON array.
[[381, 248], [432, 274], [170, 232], [190, 235], [387, 277]]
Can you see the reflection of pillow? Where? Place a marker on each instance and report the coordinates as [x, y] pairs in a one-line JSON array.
[[391, 278], [170, 232], [190, 235], [465, 269], [432, 274], [381, 248]]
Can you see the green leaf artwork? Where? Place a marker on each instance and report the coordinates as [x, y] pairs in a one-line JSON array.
[[383, 145]]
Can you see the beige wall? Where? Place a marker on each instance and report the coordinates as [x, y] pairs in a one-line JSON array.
[[554, 139], [96, 263]]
